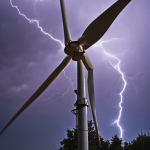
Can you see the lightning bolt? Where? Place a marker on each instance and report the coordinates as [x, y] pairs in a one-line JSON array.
[[117, 67], [61, 95], [38, 25]]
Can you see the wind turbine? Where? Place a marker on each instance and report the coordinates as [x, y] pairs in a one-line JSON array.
[[76, 50]]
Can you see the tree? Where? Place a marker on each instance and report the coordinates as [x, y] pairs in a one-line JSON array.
[[93, 140], [142, 142], [116, 143], [70, 143]]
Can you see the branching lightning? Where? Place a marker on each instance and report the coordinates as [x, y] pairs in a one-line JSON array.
[[117, 67], [38, 24], [61, 95]]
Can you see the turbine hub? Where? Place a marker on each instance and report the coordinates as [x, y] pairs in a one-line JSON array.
[[74, 50]]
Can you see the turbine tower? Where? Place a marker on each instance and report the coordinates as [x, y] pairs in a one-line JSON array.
[[76, 50]]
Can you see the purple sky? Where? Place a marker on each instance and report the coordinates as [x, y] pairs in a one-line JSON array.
[[27, 57]]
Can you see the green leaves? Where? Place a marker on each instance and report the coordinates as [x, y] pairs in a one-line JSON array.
[[71, 142], [142, 142], [116, 143]]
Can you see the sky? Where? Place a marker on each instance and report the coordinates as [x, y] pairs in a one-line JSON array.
[[27, 58]]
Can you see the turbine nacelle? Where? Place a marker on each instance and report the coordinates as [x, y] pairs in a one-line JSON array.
[[74, 50]]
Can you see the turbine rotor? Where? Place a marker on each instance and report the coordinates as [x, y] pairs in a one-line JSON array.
[[75, 50]]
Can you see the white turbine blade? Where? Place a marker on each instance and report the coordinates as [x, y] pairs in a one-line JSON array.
[[101, 24], [92, 101], [65, 23], [87, 63], [41, 89]]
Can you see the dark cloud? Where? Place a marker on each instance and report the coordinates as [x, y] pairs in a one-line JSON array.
[[27, 57]]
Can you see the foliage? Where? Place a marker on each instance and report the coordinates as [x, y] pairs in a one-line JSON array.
[[142, 142], [116, 143], [71, 142]]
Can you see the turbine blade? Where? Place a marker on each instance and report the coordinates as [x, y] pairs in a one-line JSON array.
[[67, 34], [101, 24], [41, 89], [92, 101], [87, 63]]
